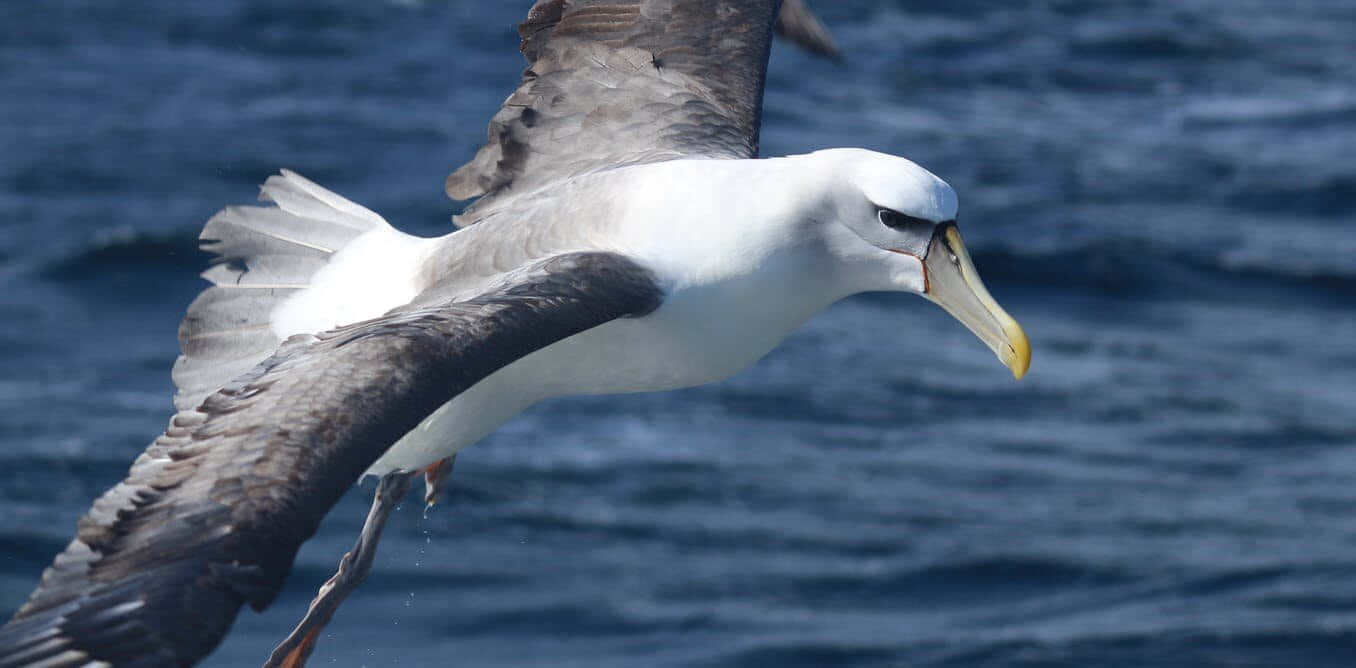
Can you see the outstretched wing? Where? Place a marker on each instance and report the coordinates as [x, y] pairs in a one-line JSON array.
[[621, 82], [212, 514]]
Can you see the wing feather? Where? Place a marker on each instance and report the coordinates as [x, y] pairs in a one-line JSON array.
[[620, 82], [798, 23], [210, 517]]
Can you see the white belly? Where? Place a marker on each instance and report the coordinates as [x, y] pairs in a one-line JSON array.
[[684, 343]]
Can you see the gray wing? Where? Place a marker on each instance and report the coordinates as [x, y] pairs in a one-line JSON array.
[[621, 82], [212, 514], [798, 23]]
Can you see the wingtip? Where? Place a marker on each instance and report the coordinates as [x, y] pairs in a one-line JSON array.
[[799, 24]]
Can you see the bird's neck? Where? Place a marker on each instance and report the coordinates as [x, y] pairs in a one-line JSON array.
[[701, 222]]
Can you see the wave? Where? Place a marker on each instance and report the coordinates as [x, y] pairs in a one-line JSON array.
[[129, 251], [1137, 43], [1138, 268], [1324, 196], [1297, 645], [567, 618], [811, 654], [1303, 113], [963, 583], [29, 550]]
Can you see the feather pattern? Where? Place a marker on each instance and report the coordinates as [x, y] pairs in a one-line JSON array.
[[621, 82], [210, 517], [264, 255]]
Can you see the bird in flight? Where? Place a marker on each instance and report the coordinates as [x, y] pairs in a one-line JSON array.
[[624, 237]]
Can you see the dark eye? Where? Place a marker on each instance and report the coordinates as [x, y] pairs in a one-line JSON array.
[[894, 219]]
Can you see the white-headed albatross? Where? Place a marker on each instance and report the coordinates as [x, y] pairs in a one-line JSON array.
[[625, 239]]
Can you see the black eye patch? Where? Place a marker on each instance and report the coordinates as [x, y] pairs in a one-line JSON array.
[[895, 220]]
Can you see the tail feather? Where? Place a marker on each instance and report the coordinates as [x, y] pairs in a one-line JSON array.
[[265, 254], [265, 272], [242, 232], [301, 197]]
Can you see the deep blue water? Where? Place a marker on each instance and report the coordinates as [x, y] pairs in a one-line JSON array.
[[1162, 191]]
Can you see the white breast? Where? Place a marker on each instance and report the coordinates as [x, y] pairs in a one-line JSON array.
[[700, 335], [738, 283]]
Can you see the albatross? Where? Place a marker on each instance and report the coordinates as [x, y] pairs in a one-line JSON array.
[[624, 238]]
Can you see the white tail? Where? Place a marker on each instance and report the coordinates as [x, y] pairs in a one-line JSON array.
[[264, 255]]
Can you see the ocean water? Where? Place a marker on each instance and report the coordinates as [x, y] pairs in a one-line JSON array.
[[1162, 191]]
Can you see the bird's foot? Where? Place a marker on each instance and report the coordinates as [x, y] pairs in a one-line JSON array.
[[435, 479], [293, 651]]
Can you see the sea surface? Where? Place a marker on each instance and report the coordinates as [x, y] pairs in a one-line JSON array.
[[1162, 191]]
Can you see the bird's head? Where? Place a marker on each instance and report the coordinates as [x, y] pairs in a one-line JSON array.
[[892, 226]]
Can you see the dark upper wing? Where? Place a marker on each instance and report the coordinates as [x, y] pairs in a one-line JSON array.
[[620, 82], [211, 516]]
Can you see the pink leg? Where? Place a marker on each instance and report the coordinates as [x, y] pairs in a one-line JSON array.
[[293, 651], [435, 479]]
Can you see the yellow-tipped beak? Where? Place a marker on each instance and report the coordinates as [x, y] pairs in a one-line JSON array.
[[953, 284]]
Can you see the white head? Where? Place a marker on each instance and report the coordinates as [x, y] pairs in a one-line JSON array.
[[891, 225]]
